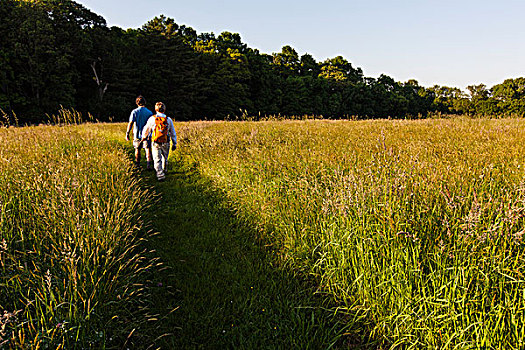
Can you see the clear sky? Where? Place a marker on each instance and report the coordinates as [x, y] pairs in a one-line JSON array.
[[445, 42]]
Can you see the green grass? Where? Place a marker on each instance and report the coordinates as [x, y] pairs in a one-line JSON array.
[[78, 273], [220, 287], [228, 293], [292, 234], [72, 266], [413, 227]]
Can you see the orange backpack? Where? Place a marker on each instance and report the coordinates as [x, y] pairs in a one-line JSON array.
[[160, 133]]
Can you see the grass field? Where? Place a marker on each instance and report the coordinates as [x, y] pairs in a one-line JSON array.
[[414, 228], [73, 270], [300, 234]]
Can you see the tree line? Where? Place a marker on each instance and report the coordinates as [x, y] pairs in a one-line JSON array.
[[58, 53]]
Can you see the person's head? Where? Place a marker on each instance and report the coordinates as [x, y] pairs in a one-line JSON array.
[[141, 101], [160, 107]]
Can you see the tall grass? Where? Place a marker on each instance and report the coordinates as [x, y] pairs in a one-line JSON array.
[[63, 117], [415, 228], [71, 267]]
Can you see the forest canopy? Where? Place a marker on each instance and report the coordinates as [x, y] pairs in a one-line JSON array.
[[56, 54]]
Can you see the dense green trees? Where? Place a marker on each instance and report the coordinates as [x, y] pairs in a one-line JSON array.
[[41, 41], [57, 53]]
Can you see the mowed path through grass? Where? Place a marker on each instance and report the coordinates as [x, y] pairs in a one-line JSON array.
[[220, 281], [413, 227]]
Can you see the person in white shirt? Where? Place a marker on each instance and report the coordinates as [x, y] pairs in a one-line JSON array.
[[161, 128]]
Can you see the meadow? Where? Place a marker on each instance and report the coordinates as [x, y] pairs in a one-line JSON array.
[[73, 270], [414, 228], [412, 231]]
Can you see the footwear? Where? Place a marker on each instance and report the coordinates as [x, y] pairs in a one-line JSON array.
[[149, 166], [162, 179]]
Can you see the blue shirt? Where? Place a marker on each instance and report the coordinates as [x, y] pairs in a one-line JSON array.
[[139, 116]]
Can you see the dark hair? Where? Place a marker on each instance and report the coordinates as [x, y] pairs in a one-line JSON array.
[[141, 101], [160, 107]]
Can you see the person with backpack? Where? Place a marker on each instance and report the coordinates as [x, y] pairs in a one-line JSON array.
[[137, 119], [162, 130]]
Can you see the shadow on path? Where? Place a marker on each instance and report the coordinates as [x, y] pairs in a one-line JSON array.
[[221, 282]]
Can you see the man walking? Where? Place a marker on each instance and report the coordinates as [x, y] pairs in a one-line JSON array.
[[138, 119], [162, 130]]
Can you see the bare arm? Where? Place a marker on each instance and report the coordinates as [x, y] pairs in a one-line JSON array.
[[130, 125]]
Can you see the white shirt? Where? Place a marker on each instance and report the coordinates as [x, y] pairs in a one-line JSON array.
[[150, 125]]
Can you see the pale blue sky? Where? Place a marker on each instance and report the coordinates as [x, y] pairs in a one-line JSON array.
[[446, 42]]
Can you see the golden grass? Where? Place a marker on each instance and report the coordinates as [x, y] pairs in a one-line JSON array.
[[70, 214], [414, 227]]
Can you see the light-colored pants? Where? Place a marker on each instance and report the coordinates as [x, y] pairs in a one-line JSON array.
[[137, 144], [160, 152]]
